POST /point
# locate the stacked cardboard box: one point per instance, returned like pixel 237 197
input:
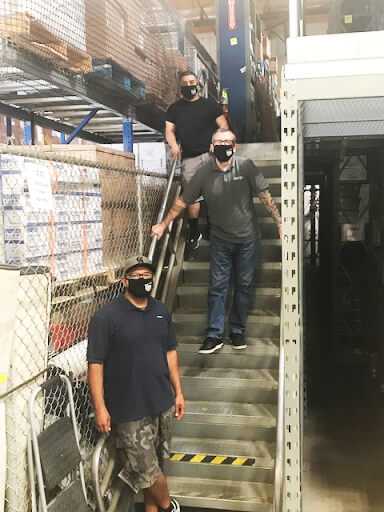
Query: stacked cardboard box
pixel 65 236
pixel 118 207
pixel 127 34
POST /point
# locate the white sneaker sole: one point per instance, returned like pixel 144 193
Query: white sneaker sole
pixel 239 347
pixel 212 350
pixel 198 243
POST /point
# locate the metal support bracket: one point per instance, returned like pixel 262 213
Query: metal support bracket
pixel 80 126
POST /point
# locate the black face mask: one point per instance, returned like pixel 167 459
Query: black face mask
pixel 223 153
pixel 189 91
pixel 140 288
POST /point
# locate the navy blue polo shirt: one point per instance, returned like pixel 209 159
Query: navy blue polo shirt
pixel 132 344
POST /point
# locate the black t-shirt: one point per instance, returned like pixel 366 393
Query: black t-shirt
pixel 195 123
pixel 132 344
pixel 229 198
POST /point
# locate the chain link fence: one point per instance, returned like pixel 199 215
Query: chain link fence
pixel 69 225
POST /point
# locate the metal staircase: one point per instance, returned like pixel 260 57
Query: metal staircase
pixel 224 448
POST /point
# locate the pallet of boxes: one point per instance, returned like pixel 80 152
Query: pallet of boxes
pixel 76 219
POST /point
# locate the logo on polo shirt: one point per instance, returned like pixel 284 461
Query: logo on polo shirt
pixel 160 316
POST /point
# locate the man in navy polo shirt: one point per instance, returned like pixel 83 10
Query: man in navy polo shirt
pixel 132 368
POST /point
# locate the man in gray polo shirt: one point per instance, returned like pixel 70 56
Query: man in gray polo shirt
pixel 228 184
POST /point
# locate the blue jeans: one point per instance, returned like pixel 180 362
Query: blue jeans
pixel 227 256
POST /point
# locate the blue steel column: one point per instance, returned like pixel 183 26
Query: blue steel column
pixel 62 138
pixel 128 134
pixel 29 132
pixel 231 30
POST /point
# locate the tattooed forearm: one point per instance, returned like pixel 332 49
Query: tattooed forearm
pixel 270 205
pixel 178 206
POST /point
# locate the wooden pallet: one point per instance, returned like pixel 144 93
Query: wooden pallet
pixel 33 36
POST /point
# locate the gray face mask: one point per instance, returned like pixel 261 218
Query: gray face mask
pixel 140 288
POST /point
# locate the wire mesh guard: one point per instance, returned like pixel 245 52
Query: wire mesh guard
pixel 130 42
pixel 70 227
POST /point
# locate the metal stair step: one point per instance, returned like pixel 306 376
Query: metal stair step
pixel 261 450
pixel 270 250
pixel 255 315
pixel 222 494
pixel 222 459
pixel 266 272
pixel 231 385
pixel 228 413
pixel 231 378
pixel 270 169
pixel 260 326
pixel 245 359
pixel 195 326
pixel 254 345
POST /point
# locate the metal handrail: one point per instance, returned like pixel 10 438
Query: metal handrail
pixel 95 473
pixel 280 438
pixel 161 260
pixel 160 216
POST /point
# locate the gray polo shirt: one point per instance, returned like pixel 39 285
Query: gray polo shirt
pixel 229 198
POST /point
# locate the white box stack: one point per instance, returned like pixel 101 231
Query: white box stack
pixel 67 237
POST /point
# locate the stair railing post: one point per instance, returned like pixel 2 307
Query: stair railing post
pixel 160 216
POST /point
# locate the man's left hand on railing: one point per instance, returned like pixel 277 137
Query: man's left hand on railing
pixel 158 230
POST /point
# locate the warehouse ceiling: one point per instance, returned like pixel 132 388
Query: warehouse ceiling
pixel 273 12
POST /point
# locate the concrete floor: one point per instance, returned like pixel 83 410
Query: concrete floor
pixel 343 432
pixel 344 448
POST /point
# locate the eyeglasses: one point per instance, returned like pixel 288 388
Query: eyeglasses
pixel 223 142
pixel 144 275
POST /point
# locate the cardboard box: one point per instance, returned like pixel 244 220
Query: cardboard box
pixel 273 65
pixel 266 44
pixel 91 152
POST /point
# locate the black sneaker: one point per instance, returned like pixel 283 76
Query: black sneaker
pixel 237 340
pixel 210 345
pixel 194 243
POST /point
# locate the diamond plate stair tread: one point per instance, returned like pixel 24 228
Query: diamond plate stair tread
pixel 261 450
pixel 254 317
pixel 222 494
pixel 232 413
pixel 226 377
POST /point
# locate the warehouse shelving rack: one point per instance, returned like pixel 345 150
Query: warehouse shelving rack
pixel 90 105
pixel 34 90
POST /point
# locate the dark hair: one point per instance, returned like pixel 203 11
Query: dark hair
pixel 222 130
pixel 186 73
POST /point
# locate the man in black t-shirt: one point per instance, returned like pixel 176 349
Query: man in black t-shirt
pixel 190 124
pixel 132 368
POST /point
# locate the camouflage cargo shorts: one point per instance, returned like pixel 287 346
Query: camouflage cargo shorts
pixel 142 446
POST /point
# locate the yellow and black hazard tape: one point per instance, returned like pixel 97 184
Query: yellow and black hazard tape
pixel 196 458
